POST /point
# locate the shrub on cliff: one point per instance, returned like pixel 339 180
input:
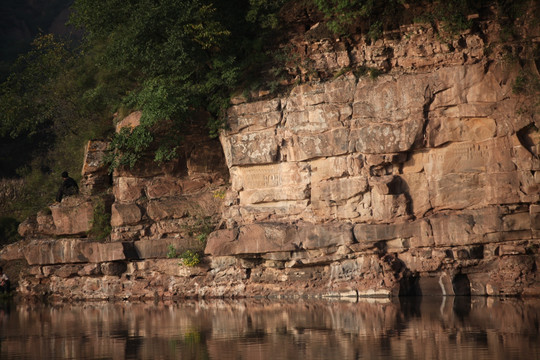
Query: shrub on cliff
pixel 184 55
pixel 8 230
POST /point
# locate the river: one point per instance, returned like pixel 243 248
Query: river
pixel 408 328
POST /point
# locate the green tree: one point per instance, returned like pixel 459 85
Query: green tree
pixel 179 53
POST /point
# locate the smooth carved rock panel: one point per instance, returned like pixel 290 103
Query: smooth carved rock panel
pixel 271 176
pixel 388 100
pixel 490 156
pixel 250 148
pixel 386 138
pixel 65 251
pixel 443 130
pixel 472 174
pixel 311 146
pixel 291 192
pixel 338 189
pixel 333 167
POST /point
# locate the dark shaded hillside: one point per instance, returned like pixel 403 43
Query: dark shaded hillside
pixel 22 20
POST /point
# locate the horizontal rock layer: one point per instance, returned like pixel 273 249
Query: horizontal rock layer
pixel 423 180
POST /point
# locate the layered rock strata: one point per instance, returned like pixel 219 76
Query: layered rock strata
pixel 423 180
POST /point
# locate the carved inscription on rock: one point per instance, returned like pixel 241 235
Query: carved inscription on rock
pixel 487 156
pixel 274 175
pixel 263 176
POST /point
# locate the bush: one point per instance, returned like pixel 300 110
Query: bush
pixel 101 224
pixel 8 230
pixel 190 258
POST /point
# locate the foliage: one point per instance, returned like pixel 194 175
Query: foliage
pixel 25 107
pixel 341 14
pixel 201 228
pixel 8 230
pixel 55 99
pixel 190 258
pixel 101 223
pixel 219 194
pixel 171 252
pixel 180 54
pixel 265 12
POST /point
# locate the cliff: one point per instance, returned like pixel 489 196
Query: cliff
pixel 423 180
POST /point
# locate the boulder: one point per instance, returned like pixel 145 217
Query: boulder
pixel 250 148
pixel 131 121
pixel 73 216
pixel 125 214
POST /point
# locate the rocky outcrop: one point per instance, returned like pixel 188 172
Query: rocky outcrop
pixel 423 180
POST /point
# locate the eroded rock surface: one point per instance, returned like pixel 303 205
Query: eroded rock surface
pixel 423 180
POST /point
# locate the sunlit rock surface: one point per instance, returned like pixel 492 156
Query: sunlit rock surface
pixel 421 181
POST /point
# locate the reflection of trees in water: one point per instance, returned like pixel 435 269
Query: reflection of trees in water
pixel 414 327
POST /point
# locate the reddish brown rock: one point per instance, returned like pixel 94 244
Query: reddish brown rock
pixel 131 121
pixel 423 180
pixel 67 251
pixel 73 216
pixel 12 252
pixel 170 208
pixel 160 248
pixel 125 214
pixel 115 268
pixel 128 189
pixel 95 173
pixel 163 187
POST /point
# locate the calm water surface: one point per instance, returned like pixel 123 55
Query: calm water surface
pixel 427 328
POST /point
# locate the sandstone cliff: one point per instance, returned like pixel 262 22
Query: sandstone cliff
pixel 422 180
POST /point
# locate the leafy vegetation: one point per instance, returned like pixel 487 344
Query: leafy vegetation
pixel 101 223
pixel 168 61
pixel 8 230
pixel 171 252
pixel 183 56
pixel 190 258
pixel 346 16
pixel 52 102
pixel 201 228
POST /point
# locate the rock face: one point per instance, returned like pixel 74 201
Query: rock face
pixel 424 180
pixel 377 151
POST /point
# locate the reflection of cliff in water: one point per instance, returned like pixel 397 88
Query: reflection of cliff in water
pixel 428 327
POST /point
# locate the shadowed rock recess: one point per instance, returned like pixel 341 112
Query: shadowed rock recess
pixel 422 181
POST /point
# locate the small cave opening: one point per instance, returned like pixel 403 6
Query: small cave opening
pixel 461 285
pixel 409 285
